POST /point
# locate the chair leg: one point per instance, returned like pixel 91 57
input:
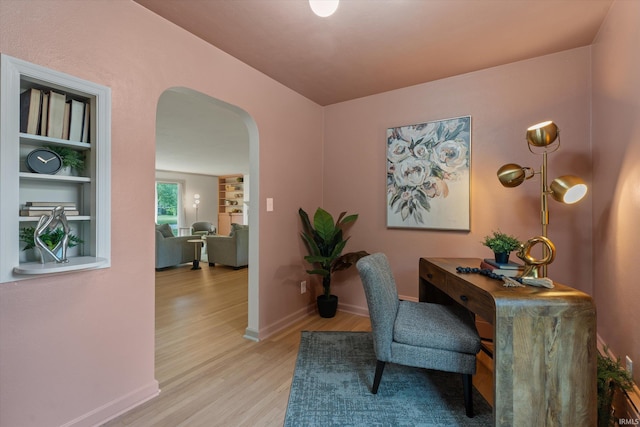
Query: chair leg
pixel 467 386
pixel 378 376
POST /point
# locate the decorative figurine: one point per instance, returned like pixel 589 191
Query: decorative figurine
pixel 531 264
pixel 51 221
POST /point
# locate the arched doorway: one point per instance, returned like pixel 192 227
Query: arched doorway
pixel 196 123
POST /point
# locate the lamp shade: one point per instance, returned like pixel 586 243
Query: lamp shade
pixel 511 175
pixel 568 189
pixel 542 134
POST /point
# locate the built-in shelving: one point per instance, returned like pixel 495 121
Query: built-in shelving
pixel 88 190
pixel 230 202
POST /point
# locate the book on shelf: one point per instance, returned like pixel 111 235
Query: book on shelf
pixel 65 120
pixel 509 272
pixel 85 123
pixel 47 208
pixel 30 104
pixel 50 204
pixel 44 212
pixel 55 122
pixel 509 265
pixel 44 114
pixel 75 120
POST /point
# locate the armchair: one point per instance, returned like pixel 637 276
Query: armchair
pixel 232 250
pixel 171 250
pixel 202 228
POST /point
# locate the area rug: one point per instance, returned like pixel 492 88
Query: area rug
pixel 332 387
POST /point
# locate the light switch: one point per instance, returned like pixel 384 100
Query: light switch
pixel 269 204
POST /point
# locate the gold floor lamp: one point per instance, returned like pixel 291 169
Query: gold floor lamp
pixel 566 189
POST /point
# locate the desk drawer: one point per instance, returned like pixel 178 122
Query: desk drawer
pixel 433 275
pixel 471 297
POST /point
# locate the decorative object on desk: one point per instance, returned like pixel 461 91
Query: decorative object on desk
pixel 331 380
pixel 43 161
pixel 532 265
pixel 73 160
pixel 510 272
pixel 501 244
pixel 428 175
pixel 611 376
pixel 48 238
pixel 566 189
pixel 325 242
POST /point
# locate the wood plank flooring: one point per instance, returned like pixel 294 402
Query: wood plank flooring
pixel 208 373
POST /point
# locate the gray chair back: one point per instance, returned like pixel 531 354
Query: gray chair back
pixel 382 300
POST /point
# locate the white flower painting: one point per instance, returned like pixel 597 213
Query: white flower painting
pixel 428 175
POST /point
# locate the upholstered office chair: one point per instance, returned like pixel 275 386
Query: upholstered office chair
pixel 422 335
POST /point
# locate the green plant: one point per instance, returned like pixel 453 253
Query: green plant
pixel 50 237
pixel 500 242
pixel 611 375
pixel 70 157
pixel 325 242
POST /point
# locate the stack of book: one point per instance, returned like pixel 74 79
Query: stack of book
pixel 510 269
pixel 42 208
pixel 50 113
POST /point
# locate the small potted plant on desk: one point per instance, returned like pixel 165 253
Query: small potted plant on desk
pixel 325 242
pixel 501 244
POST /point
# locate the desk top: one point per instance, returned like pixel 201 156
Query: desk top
pixel 494 287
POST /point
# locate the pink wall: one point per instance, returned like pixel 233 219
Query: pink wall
pixel 616 176
pixel 78 348
pixel 502 102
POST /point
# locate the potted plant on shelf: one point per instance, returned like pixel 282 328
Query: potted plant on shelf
pixel 501 244
pixel 50 238
pixel 611 376
pixel 325 241
pixel 72 160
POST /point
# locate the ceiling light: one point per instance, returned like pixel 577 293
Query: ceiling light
pixel 324 8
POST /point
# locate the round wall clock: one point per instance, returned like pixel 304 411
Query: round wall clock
pixel 42 160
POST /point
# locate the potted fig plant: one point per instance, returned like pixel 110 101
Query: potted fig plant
pixel 501 244
pixel 325 241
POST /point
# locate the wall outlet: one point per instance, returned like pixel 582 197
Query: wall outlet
pixel 303 287
pixel 629 366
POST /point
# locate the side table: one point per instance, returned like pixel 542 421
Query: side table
pixel 196 246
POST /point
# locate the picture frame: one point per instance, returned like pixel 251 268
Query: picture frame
pixel 429 175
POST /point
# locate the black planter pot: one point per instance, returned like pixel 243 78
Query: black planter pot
pixel 327 307
pixel 502 257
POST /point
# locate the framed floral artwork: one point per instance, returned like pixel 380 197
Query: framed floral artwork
pixel 428 175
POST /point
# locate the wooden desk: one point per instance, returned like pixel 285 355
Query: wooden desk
pixel 545 343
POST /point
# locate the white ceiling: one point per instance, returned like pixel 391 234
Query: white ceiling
pixel 197 134
pixel 367 46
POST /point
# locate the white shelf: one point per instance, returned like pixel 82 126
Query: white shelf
pixel 69 218
pixel 27 138
pixel 60 178
pixel 74 264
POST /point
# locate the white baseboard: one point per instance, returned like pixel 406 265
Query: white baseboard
pixel 116 407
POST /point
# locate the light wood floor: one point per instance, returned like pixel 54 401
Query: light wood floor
pixel 208 373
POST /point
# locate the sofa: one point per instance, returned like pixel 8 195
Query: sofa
pixel 231 250
pixel 202 228
pixel 172 250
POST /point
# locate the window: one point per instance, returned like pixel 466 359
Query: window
pixel 168 204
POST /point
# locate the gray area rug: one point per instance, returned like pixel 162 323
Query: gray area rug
pixel 332 387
